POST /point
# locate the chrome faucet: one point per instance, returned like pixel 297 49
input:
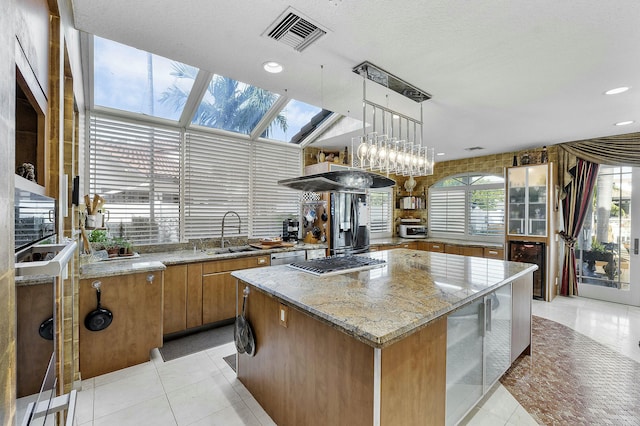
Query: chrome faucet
pixel 222 240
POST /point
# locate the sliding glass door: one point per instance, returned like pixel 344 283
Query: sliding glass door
pixel 607 264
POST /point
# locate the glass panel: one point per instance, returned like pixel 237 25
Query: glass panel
pixel 233 106
pixel 291 120
pixel 452 181
pixel 485 179
pixel 497 346
pixel 603 247
pixel 464 360
pixel 137 81
pixel 486 212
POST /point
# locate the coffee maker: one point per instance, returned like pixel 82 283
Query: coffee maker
pixel 290 229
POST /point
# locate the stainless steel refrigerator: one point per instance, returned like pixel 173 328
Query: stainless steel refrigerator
pixel 349 224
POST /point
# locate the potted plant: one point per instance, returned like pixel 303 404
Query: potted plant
pixel 98 238
pixel 126 249
pixel 112 247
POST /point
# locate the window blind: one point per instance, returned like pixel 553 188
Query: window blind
pixel 136 168
pixel 271 203
pixel 447 211
pixel 381 212
pixel 217 180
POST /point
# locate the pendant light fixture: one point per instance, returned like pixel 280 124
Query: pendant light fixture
pixel 394 145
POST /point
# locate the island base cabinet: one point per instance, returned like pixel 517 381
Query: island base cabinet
pixel 306 372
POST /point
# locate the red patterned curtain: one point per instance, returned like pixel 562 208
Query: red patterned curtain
pixel 575 206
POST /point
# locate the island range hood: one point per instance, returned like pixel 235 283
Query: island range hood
pixel 342 180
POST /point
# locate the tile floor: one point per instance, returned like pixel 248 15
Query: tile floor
pixel 201 389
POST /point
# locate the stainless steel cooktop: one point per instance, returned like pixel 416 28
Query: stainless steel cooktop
pixel 337 265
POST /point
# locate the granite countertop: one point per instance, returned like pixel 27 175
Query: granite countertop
pixel 383 305
pixel 160 260
pixel 399 240
pixel 22 280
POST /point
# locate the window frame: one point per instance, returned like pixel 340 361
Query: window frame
pixel 468 187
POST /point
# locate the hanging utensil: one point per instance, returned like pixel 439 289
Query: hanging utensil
pixel 324 216
pixel 99 318
pixel 242 332
pixel 46 329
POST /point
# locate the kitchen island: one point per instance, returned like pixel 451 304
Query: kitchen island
pixel 386 345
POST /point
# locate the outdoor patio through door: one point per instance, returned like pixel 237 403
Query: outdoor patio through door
pixel 604 251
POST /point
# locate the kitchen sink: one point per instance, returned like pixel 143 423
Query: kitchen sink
pixel 235 249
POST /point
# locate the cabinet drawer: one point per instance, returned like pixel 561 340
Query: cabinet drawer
pixel 452 249
pixel 492 253
pixel 472 251
pixel 234 264
pixel 437 247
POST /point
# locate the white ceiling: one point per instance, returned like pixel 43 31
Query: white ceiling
pixel 504 75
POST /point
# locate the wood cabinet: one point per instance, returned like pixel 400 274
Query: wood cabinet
pixel 34 304
pixel 494 253
pixel 136 303
pixel 429 246
pixel 202 293
pixel 464 250
pixel 174 316
pixel 411 246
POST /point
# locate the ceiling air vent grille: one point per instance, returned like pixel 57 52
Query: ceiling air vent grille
pixel 295 31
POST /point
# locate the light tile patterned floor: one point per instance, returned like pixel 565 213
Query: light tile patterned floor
pixel 201 389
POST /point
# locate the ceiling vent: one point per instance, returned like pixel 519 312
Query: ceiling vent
pixel 294 30
pixel 474 148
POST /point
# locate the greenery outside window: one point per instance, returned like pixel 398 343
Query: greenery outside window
pixel 468 206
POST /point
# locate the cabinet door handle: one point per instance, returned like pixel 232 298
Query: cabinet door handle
pixel 150 278
pixel 493 252
pixel 262 261
pixel 436 246
pixel 488 314
pixel 635 246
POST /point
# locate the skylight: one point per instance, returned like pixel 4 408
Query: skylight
pixel 133 80
pixel 232 105
pixel 296 115
pixel 139 82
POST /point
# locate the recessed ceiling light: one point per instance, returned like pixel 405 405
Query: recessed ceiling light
pixel 440 153
pixel 625 123
pixel 616 90
pixel 272 67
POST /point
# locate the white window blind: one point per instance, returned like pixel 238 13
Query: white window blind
pixel 271 203
pixel 217 180
pixel 381 212
pixel 447 211
pixel 136 168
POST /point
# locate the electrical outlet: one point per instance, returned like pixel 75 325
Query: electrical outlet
pixel 283 313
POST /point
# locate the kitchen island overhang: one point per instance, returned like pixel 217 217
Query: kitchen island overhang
pixel 398 312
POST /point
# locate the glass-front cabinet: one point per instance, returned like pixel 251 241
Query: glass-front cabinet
pixel 527 200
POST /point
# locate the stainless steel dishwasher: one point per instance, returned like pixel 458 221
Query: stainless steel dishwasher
pixel 287 257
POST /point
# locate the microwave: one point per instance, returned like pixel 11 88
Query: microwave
pixel 413 231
